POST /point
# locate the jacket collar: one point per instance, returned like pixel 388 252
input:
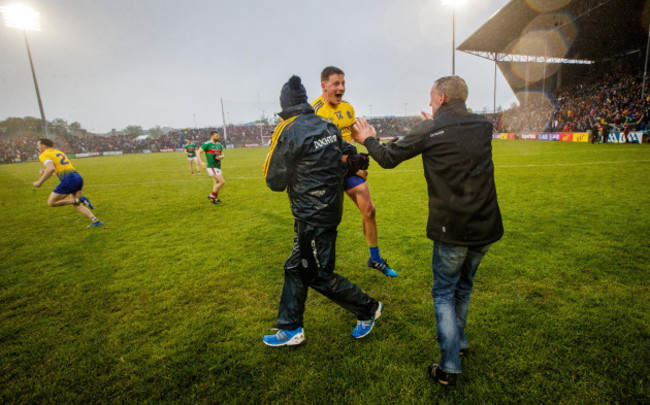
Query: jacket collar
pixel 296 110
pixel 455 105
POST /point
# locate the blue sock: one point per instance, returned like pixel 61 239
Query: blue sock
pixel 374 254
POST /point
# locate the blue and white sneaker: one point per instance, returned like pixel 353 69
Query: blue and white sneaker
pixel 85 201
pixel 285 338
pixel 96 223
pixel 383 267
pixel 364 327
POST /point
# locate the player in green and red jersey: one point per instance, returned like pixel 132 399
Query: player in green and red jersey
pixel 190 150
pixel 213 155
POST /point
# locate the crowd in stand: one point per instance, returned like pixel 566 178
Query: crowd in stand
pixel 614 103
pixel 247 134
pixel 23 148
pixel 18 149
pixel 393 126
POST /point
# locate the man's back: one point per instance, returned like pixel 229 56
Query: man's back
pixel 305 157
pixel 459 171
pixel 456 150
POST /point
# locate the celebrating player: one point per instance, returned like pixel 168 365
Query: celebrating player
pixel 331 106
pixel 305 159
pixel 190 150
pixel 71 182
pixel 213 155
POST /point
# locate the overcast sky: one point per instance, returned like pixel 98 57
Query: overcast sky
pixel 110 64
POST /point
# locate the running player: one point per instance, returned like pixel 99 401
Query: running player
pixel 331 106
pixel 213 155
pixel 71 182
pixel 190 150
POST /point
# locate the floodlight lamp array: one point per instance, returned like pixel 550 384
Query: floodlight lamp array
pixel 454 3
pixel 21 16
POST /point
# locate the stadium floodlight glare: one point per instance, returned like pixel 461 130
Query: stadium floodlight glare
pixel 454 5
pixel 21 16
pixel 26 19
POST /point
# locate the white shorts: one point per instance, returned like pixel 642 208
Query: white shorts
pixel 213 171
pixel 191 159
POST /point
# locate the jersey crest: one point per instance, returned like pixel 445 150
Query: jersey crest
pixel 342 115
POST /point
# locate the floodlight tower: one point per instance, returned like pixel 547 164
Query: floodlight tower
pixel 454 4
pixel 645 68
pixel 26 19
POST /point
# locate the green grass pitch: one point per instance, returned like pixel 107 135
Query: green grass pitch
pixel 168 301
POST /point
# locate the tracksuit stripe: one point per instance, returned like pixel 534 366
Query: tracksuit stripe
pixel 274 140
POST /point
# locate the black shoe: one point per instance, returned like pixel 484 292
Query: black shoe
pixel 383 267
pixel 441 377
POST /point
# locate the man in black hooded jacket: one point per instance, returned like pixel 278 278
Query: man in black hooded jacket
pixel 464 216
pixel 305 158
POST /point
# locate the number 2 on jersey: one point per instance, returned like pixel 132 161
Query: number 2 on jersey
pixel 63 160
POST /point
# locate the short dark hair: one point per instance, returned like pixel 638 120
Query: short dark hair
pixel 47 142
pixel 214 132
pixel 329 71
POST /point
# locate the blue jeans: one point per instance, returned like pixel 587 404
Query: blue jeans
pixel 454 268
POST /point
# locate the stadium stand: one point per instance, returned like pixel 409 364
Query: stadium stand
pixel 613 100
pixel 573 65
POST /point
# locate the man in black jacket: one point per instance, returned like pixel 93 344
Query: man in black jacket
pixel 464 217
pixel 305 158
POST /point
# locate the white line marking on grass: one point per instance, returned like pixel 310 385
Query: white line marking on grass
pixel 135 183
pixel 549 165
pixel 578 164
pixel 565 152
pixel 380 172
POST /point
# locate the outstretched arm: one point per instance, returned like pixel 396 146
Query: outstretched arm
pixel 395 152
pixel 362 130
